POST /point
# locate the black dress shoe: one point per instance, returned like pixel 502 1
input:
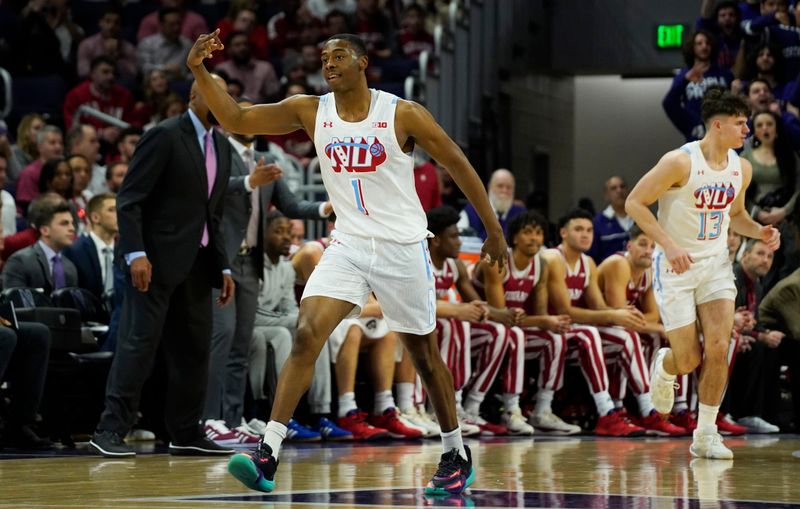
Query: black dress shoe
pixel 110 445
pixel 23 437
pixel 201 446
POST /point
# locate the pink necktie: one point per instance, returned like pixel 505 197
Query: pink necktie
pixel 211 173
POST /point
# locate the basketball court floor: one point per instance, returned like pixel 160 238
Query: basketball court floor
pixel 539 472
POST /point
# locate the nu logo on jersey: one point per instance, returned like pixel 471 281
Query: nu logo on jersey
pixel 356 154
pixel 714 196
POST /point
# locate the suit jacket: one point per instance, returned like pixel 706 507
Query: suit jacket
pixel 238 206
pixel 30 267
pixel 163 204
pixel 83 254
pixel 778 309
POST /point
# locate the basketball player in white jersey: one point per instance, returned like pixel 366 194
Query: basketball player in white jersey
pixel 700 189
pixel 365 140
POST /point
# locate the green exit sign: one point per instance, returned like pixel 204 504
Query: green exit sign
pixel 669 36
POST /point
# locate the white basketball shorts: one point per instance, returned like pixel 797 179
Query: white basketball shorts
pixel 678 295
pixel 400 275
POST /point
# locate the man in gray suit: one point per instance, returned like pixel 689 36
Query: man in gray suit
pixel 254 184
pixel 42 265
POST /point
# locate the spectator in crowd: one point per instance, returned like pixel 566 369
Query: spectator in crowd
pixel 773 191
pixel 763 62
pixel 93 254
pixel 102 93
pixel 413 39
pixel 56 177
pixel 368 333
pixel 501 197
pixel 259 78
pixel 734 245
pixel 8 208
pixel 42 264
pixel 7 151
pixel 242 17
pixel 426 181
pixel 81 174
pixel 337 22
pixel 297 143
pixel 722 21
pixel 68 33
pixel 167 49
pixel 190 24
pixel 235 87
pixel 758 354
pixel 28 236
pixel 291 27
pixel 312 67
pixel 682 102
pixel 320 9
pixel 115 173
pixel 82 139
pixel 126 143
pixel 297 230
pixel 24 355
pixel 50 145
pixel 35 47
pixel 778 311
pixel 777 26
pixel 155 96
pixel 760 97
pixel 374 27
pixel 25 150
pixel 108 42
pixel 611 226
pixel 276 319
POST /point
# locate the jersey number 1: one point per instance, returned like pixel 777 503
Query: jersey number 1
pixel 710 225
pixel 359 194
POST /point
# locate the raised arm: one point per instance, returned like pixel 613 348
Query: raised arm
pixel 414 121
pixel 294 113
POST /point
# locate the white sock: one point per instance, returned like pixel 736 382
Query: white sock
pixel 452 440
pixel 274 436
pixel 618 404
pixel 510 401
pixel 473 403
pixel 347 402
pixel 405 395
pixel 645 404
pixel 602 401
pixel 458 397
pixel 707 418
pixel 383 401
pixel 544 401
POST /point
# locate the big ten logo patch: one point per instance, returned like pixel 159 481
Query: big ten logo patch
pixel 356 154
pixel 714 196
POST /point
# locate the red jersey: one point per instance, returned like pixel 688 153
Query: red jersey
pixel 411 45
pixel 519 284
pixel 446 277
pixel 577 278
pixel 118 104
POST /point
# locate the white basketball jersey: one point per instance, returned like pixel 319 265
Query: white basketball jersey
pixel 369 179
pixel 696 216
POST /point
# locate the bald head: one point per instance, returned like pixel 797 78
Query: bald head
pixel 501 189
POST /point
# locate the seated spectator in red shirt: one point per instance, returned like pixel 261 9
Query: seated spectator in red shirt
pixel 107 42
pixel 426 181
pixel 50 145
pixel 155 95
pixel 192 24
pixel 242 17
pixel 296 143
pixel 259 78
pixel 375 28
pixel 167 49
pixel 102 93
pixel 413 39
pixel 30 235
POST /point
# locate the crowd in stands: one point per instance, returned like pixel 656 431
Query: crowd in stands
pixel 549 345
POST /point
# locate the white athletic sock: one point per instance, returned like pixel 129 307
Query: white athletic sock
pixel 602 401
pixel 618 404
pixel 452 440
pixel 458 397
pixel 707 418
pixel 544 401
pixel 405 395
pixel 472 405
pixel 645 404
pixel 347 402
pixel 383 401
pixel 274 436
pixel 510 401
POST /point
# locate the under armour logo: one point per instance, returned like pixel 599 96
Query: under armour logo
pixel 735 173
pixel 701 172
pixel 327 124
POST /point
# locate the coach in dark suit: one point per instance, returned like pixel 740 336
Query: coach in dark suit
pixel 43 265
pixel 170 210
pixel 243 224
